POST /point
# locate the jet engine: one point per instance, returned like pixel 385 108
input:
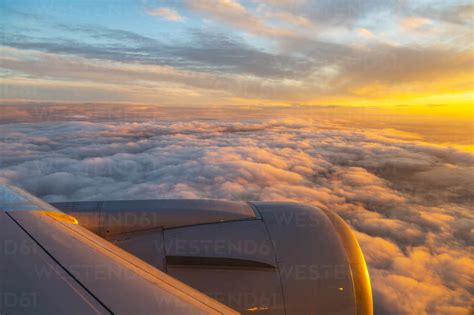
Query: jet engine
pixel 256 257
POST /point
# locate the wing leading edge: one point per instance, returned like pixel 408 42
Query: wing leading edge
pixel 51 265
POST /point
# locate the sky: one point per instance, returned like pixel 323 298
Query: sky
pixel 229 52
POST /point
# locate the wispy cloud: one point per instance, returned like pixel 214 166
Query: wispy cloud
pixel 415 22
pixel 365 33
pixel 306 52
pixel 165 13
pixel 233 13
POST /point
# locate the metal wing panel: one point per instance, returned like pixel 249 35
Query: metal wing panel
pixel 16 199
pixel 124 216
pixel 231 261
pixel 124 283
pixel 32 282
pixel 318 279
pixel 247 240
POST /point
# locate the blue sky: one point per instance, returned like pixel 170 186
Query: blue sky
pixel 278 52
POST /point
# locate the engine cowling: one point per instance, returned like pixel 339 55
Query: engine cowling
pixel 271 258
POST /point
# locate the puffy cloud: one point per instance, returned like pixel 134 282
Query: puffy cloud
pixel 408 200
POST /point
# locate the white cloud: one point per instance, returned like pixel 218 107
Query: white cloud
pixel 418 247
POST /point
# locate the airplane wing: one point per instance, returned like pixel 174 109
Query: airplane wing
pixel 177 257
pixel 49 264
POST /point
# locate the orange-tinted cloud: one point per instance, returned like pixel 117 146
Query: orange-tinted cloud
pixel 409 200
pixel 165 13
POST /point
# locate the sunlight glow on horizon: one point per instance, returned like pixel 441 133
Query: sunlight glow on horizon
pixel 242 52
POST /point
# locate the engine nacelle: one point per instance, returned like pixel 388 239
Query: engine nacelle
pixel 270 258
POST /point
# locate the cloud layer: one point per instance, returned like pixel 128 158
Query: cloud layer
pixel 409 201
